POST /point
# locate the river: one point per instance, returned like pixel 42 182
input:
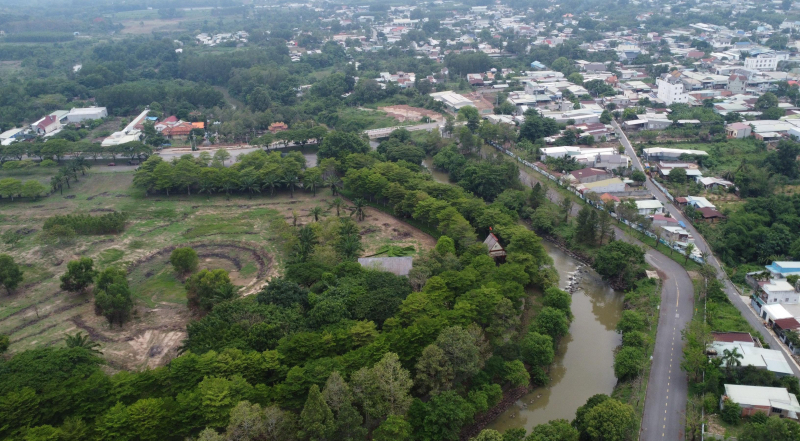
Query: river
pixel 584 363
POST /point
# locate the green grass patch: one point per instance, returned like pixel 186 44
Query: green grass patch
pixel 217 228
pixel 156 286
pixel 249 269
pixel 109 256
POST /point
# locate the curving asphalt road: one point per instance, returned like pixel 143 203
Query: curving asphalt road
pixel 667 387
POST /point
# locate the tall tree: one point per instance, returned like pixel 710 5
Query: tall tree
pixel 316 419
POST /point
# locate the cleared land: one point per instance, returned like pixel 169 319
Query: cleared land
pixel 233 233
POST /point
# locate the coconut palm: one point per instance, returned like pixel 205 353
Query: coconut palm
pixel 271 180
pixel 316 212
pixel 250 184
pixel 79 340
pixel 349 247
pixel 339 204
pixel 227 186
pixel 358 208
pixel 291 180
pixel 312 182
pixel 334 183
pixel 306 241
pixel 731 358
pixel 80 164
pixel 57 183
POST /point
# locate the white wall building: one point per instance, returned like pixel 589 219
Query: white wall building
pixel 762 62
pixel 671 91
pixel 77 115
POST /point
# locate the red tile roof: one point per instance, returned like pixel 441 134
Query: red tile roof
pixel 732 337
pixel 709 213
pixel 787 323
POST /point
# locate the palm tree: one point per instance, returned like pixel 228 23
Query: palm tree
pixel 731 358
pixel 271 180
pixel 228 185
pixel 316 212
pixel 79 340
pixel 350 247
pixel 291 180
pixel 57 183
pixel 358 208
pixel 306 240
pixel 250 184
pixel 333 183
pixel 689 249
pixel 312 181
pixel 339 204
pixel 79 164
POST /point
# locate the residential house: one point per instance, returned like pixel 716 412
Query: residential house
pixel 699 202
pixel 475 79
pixel 782 327
pixel 611 185
pixel 612 161
pixel 778 291
pixel 711 183
pixel 783 269
pixel 181 130
pixel 760 358
pixel 762 62
pixel 399 266
pixel 737 83
pixel 769 400
pixel 743 338
pixel 738 130
pixel 649 206
pixel 710 215
pixel 659 220
pixel 667 154
pixel 495 249
pixel 46 125
pixel 12 135
pixel 586 175
pixel 676 234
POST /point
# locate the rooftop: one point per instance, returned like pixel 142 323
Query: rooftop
pixel 396 265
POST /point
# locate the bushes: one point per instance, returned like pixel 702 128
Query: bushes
pixel 112 297
pixel 731 412
pixel 10 274
pixel 207 288
pixel 84 224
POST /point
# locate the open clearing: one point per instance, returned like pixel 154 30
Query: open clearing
pixel 233 233
pixel 147 26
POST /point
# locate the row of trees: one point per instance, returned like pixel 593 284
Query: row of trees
pixel 58 149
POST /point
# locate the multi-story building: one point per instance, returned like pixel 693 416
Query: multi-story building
pixel 671 89
pixel 763 62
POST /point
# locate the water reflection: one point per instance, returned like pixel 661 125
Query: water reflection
pixel 438 176
pixel 584 365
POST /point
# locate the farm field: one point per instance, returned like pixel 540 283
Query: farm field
pixel 239 234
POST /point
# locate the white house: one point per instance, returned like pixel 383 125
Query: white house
pixel 649 206
pixel 760 358
pixel 779 291
pixel 770 400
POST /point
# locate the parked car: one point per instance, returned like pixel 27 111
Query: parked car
pixel 111 164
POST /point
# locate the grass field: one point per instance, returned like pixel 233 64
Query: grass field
pixel 234 233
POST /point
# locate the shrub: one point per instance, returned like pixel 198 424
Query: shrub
pixel 184 260
pixel 48 163
pixel 84 224
pixel 10 273
pixel 711 404
pixel 80 274
pixel 208 288
pixel 731 412
pixel 627 363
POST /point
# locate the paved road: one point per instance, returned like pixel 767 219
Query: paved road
pixel 659 422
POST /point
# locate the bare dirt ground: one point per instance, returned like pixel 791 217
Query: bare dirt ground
pixel 407 113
